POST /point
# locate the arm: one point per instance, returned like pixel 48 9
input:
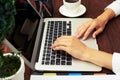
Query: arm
pixel 77 49
pixel 99 58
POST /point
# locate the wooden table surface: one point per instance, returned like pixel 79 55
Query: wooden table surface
pixel 109 39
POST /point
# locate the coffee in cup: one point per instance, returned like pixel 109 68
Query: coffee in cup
pixel 71 1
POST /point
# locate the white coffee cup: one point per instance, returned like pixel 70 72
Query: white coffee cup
pixel 72 7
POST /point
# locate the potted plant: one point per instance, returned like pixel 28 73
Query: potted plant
pixel 11 65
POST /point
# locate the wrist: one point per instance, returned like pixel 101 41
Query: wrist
pixel 87 54
pixel 106 15
pixel 94 56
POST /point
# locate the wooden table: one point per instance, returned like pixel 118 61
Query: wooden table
pixel 109 39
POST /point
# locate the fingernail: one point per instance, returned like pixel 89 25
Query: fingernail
pixel 84 38
pixel 94 36
pixel 77 36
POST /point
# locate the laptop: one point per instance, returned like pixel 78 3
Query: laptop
pixel 50 60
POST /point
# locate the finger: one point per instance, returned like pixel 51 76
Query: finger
pixel 89 31
pixel 98 31
pixel 56 44
pixel 63 48
pixel 60 48
pixel 60 42
pixel 82 29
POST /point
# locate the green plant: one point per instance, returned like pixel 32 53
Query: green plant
pixel 9 64
pixel 7 12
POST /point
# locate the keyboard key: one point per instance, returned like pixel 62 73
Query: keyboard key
pixel 52 62
pixel 63 62
pixel 69 63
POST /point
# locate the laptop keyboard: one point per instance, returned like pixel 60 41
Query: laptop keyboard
pixel 55 30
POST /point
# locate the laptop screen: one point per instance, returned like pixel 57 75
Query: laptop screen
pixel 23 35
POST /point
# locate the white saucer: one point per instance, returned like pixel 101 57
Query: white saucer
pixel 64 12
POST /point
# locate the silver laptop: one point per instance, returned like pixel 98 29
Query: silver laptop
pixel 50 60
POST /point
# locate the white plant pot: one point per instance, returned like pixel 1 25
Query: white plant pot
pixel 19 74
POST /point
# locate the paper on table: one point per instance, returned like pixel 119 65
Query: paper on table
pixel 88 77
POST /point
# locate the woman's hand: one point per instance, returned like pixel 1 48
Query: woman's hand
pixel 77 49
pixel 96 25
pixel 71 45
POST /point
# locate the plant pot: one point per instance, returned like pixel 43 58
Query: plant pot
pixel 19 75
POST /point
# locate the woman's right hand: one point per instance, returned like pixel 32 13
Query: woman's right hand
pixel 95 26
